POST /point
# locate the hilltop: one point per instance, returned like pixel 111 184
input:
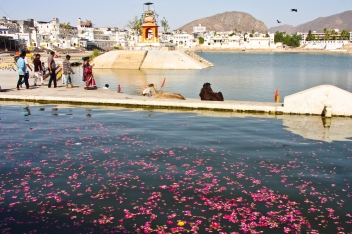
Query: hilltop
pixel 228 21
pixel 341 21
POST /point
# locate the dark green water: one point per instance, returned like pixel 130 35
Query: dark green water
pixel 240 76
pixel 88 170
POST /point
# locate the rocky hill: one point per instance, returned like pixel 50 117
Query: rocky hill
pixel 341 21
pixel 228 21
pixel 282 28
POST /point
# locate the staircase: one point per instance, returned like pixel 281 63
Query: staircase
pixel 197 57
pixel 129 59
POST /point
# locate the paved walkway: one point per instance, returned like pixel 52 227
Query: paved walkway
pixel 79 96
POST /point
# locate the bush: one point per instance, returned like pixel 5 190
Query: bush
pixel 95 54
pixel 201 40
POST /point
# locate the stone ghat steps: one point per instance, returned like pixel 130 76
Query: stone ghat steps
pixel 120 59
pixel 197 57
pixel 171 60
pixel 129 60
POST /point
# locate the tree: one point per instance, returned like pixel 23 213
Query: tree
pixel 327 34
pixel 279 36
pixel 135 24
pixel 294 40
pixel 201 40
pixel 345 35
pixel 65 29
pixel 334 34
pixel 310 36
pixel 165 25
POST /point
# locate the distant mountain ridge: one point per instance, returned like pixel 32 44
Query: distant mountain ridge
pixel 341 21
pixel 228 21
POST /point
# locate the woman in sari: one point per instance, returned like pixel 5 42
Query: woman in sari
pixel 88 75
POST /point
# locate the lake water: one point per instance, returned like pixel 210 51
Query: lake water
pixel 240 76
pixel 94 170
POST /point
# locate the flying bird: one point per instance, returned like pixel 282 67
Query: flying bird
pixel 278 21
pixel 294 10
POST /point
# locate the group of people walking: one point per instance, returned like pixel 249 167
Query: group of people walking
pixel 40 72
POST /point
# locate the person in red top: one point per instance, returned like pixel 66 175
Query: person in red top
pixel 88 75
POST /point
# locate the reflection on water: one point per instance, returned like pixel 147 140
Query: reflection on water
pixel 309 127
pixel 318 128
pixel 26 111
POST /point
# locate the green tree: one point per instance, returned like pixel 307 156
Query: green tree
pixel 310 36
pixel 334 34
pixel 165 25
pixel 201 40
pixel 279 36
pixel 65 29
pixel 327 34
pixel 135 24
pixel 294 40
pixel 345 35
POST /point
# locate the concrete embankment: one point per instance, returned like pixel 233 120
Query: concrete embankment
pixel 120 59
pixel 307 102
pixel 152 59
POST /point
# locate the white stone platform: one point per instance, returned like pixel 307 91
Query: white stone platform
pixel 151 59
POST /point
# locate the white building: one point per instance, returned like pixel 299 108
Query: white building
pixel 199 29
pixel 103 38
pixel 182 40
pixel 48 27
pixel 260 41
pixel 231 40
pixel 335 42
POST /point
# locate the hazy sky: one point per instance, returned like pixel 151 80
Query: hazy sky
pixel 116 13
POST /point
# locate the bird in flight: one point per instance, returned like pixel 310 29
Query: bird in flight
pixel 294 10
pixel 278 21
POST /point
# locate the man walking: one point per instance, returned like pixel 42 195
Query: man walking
pixel 67 70
pixel 22 69
pixel 52 69
pixel 38 70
